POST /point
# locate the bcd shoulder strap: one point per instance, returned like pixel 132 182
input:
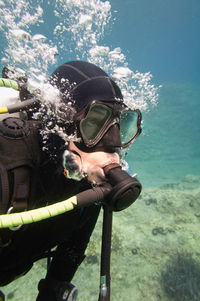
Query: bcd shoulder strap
pixel 4 188
pixel 21 189
pixel 19 154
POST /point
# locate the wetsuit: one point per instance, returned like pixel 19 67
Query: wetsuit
pixel 47 184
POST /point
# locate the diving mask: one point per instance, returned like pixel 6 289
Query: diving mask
pixel 102 116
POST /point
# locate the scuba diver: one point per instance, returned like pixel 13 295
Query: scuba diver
pixel 37 172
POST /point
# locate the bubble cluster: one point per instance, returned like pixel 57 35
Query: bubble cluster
pixel 136 87
pixel 25 50
pixel 84 20
pixel 77 25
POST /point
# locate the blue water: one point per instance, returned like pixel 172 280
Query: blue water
pixel 161 37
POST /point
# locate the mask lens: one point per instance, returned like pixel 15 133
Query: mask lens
pixel 128 126
pixel 95 121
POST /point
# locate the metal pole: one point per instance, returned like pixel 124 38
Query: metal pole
pixel 104 294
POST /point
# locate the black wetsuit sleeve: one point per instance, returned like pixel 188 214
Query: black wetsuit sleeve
pixel 68 256
pixel 70 253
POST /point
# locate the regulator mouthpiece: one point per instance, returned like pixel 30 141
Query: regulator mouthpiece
pixel 126 189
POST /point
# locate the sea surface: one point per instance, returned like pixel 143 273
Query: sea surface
pixel 152 49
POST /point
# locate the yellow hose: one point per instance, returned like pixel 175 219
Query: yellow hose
pixel 9 83
pixel 3 110
pixel 31 216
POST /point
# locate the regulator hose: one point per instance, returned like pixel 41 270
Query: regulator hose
pixel 119 193
pixel 83 199
pixel 8 83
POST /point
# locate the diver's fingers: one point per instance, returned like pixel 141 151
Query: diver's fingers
pixel 72 165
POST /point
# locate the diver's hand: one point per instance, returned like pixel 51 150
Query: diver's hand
pixel 89 165
pixel 46 291
pixel 54 290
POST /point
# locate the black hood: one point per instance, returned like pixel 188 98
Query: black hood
pixel 80 83
pixel 84 82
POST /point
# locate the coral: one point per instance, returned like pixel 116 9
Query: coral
pixel 92 259
pixel 116 243
pixel 134 251
pixel 181 278
pixel 161 230
pixel 150 201
pixel 93 249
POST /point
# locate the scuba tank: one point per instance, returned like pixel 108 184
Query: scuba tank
pixel 9 97
pixel 15 102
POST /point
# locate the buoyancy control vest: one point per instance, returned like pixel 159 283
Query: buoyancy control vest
pixel 29 178
pixel 19 157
